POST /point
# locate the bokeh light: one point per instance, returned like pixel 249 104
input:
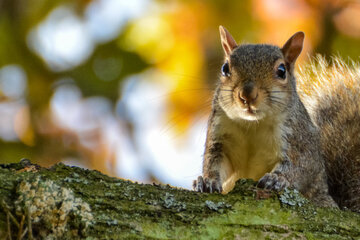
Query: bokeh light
pixel 125 87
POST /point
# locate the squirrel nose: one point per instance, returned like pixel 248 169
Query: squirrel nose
pixel 248 94
pixel 247 99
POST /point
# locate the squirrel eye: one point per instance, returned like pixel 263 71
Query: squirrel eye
pixel 281 71
pixel 225 70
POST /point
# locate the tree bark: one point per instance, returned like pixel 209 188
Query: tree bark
pixel 65 202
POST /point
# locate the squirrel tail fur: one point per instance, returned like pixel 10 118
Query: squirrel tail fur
pixel 331 94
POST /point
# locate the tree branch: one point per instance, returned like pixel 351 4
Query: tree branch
pixel 65 202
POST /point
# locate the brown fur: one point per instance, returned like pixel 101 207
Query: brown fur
pixel 269 130
pixel 332 95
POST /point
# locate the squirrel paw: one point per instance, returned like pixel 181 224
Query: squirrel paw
pixel 273 181
pixel 207 185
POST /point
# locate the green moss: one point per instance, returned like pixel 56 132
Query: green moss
pixel 125 210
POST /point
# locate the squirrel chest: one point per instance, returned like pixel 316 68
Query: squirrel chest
pixel 252 148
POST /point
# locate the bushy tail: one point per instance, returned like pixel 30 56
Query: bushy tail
pixel 331 93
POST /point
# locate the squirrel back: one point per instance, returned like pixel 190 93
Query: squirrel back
pixel 331 94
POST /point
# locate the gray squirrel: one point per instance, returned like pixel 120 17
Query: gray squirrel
pixel 259 127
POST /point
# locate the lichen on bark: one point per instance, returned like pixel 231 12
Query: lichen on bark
pixel 65 202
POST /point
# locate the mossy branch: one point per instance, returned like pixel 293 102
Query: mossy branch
pixel 65 202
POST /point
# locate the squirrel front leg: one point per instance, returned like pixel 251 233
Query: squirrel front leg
pixel 216 166
pixel 285 174
pixel 282 175
pixel 216 169
pixel 301 165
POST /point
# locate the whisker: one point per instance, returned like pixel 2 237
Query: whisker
pixel 278 102
pixel 224 103
pixel 275 97
pixel 284 91
pixel 179 117
pixel 229 99
pixel 180 92
pixel 227 96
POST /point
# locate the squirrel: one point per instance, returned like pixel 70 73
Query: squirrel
pixel 259 127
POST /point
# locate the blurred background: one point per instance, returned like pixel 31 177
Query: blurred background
pixel 125 86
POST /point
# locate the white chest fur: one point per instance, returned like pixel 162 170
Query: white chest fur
pixel 252 148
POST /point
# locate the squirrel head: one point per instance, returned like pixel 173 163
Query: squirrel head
pixel 257 80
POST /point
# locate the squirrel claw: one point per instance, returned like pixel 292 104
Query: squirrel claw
pixel 198 185
pixel 207 185
pixel 273 181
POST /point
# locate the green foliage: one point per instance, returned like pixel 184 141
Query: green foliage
pixel 103 72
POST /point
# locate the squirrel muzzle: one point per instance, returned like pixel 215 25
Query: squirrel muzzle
pixel 248 94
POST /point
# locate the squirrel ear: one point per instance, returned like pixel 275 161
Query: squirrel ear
pixel 293 47
pixel 227 41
